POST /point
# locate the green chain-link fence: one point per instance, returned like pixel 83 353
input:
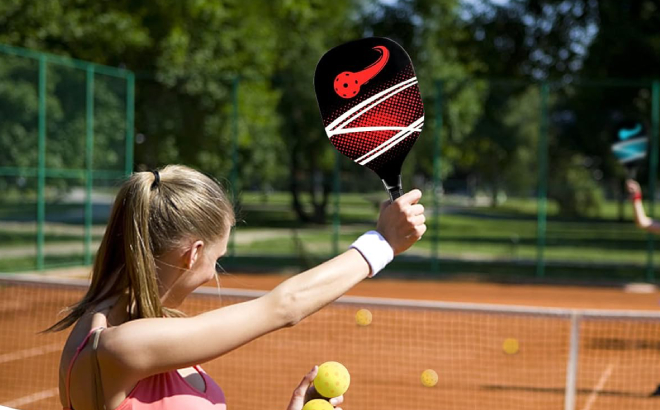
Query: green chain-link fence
pixel 66 138
pixel 519 177
pixel 519 181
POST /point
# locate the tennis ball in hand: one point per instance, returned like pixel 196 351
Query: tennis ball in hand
pixel 429 378
pixel 332 379
pixel 318 404
pixel 363 317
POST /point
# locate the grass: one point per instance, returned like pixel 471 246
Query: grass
pixel 16 239
pixel 488 240
pixel 9 265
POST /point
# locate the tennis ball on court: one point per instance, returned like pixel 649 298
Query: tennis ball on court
pixel 318 404
pixel 363 317
pixel 510 346
pixel 332 380
pixel 429 378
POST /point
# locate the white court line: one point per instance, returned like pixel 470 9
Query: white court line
pixel 599 386
pixel 35 351
pixel 22 401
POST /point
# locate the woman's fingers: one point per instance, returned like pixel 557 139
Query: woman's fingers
pixel 305 382
pixel 336 401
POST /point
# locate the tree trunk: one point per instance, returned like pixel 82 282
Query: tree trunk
pixel 621 200
pixel 319 190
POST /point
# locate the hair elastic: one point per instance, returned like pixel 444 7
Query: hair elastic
pixel 156 180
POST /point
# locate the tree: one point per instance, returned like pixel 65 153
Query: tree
pixel 432 32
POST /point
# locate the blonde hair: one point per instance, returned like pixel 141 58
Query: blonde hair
pixel 151 216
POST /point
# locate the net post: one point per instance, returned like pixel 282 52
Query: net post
pixel 572 365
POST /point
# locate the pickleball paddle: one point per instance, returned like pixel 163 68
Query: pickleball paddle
pixel 370 104
pixel 630 145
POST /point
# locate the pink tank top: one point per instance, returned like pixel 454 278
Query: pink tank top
pixel 163 391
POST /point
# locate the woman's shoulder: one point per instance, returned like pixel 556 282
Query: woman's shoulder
pixel 74 341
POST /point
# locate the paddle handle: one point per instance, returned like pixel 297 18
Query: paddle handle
pixel 394 187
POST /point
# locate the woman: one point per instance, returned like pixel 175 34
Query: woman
pixel 131 349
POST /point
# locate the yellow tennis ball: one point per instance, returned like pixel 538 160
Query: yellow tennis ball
pixel 363 317
pixel 510 346
pixel 332 379
pixel 318 404
pixel 429 378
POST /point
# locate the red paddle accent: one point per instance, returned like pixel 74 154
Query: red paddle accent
pixel 347 84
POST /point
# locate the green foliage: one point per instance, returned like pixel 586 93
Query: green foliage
pixel 188 56
pixel 575 189
pixel 18 110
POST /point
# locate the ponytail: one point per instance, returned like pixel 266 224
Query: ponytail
pixel 153 213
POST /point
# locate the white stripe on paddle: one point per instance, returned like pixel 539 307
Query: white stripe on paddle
pixel 372 102
pixel 387 145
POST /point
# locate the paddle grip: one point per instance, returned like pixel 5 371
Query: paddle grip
pixel 394 187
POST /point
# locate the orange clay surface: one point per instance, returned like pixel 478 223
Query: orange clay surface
pixel 618 365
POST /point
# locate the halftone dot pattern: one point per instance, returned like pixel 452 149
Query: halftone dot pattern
pixel 400 149
pixel 357 144
pixel 400 110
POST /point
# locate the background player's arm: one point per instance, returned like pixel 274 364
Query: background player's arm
pixel 641 220
pixel 144 347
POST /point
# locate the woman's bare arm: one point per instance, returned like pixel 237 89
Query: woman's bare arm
pixel 148 346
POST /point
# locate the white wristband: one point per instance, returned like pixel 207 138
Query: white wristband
pixel 375 249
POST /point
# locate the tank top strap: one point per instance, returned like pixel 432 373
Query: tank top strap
pixel 75 356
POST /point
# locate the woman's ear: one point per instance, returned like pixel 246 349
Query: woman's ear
pixel 193 253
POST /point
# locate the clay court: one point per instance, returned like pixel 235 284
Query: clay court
pixel 617 357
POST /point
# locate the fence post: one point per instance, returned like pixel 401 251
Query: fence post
pixel 233 179
pixel 653 174
pixel 435 263
pixel 89 158
pixel 130 122
pixel 572 365
pixel 336 220
pixel 41 172
pixel 543 182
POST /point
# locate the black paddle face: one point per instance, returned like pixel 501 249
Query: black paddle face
pixel 370 104
pixel 630 145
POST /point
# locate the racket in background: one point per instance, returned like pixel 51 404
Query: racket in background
pixel 370 104
pixel 630 145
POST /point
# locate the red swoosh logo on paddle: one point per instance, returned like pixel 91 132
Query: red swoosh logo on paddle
pixel 348 83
